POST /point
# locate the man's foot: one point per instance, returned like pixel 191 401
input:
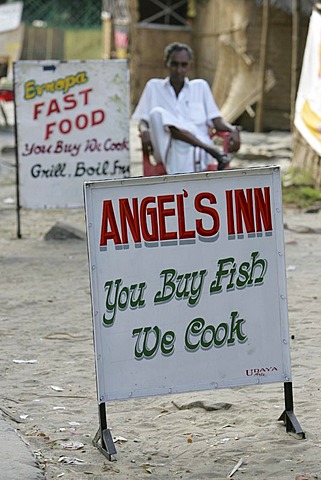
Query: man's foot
pixel 223 162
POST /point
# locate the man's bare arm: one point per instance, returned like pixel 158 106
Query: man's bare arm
pixel 143 128
pixel 223 126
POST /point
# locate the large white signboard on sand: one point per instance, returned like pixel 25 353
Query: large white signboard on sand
pixel 72 125
pixel 188 282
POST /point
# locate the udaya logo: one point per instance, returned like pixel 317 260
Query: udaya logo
pixel 260 372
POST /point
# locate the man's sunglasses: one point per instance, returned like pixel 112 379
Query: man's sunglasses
pixel 175 64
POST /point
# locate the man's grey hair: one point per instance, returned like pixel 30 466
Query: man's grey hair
pixel 177 47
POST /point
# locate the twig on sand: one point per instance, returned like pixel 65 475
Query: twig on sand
pixel 10 415
pixel 65 336
pixel 235 469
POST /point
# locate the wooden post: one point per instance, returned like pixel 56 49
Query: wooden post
pixel 106 34
pixel 262 65
pixel 295 54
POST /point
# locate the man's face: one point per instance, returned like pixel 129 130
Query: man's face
pixel 178 64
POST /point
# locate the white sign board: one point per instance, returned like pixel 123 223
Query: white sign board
pixel 308 102
pixel 72 125
pixel 188 282
pixel 10 16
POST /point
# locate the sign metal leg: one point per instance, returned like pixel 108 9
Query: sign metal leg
pixel 288 417
pixel 103 439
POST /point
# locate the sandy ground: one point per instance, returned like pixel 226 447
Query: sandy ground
pixel 50 397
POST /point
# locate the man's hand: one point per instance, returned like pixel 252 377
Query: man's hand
pixel 234 142
pixel 146 143
pixel 147 146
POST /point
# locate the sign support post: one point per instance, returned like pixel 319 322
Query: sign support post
pixel 103 440
pixel 18 204
pixel 288 416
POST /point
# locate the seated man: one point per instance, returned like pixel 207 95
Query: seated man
pixel 175 115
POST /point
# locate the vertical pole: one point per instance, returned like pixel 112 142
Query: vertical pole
pixel 31 42
pixel 49 43
pixel 288 396
pixel 295 55
pixel 103 422
pixel 288 400
pixel 106 34
pixel 107 443
pixel 288 417
pixel 18 206
pixel 262 65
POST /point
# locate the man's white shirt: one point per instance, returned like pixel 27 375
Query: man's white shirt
pixel 193 110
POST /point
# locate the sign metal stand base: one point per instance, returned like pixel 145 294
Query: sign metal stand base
pixel 288 417
pixel 103 439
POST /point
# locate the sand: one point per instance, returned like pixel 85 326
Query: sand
pixel 50 397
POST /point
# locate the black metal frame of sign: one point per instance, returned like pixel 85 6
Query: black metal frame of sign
pixel 103 439
pixel 288 417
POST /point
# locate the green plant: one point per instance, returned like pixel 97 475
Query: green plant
pixel 298 190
